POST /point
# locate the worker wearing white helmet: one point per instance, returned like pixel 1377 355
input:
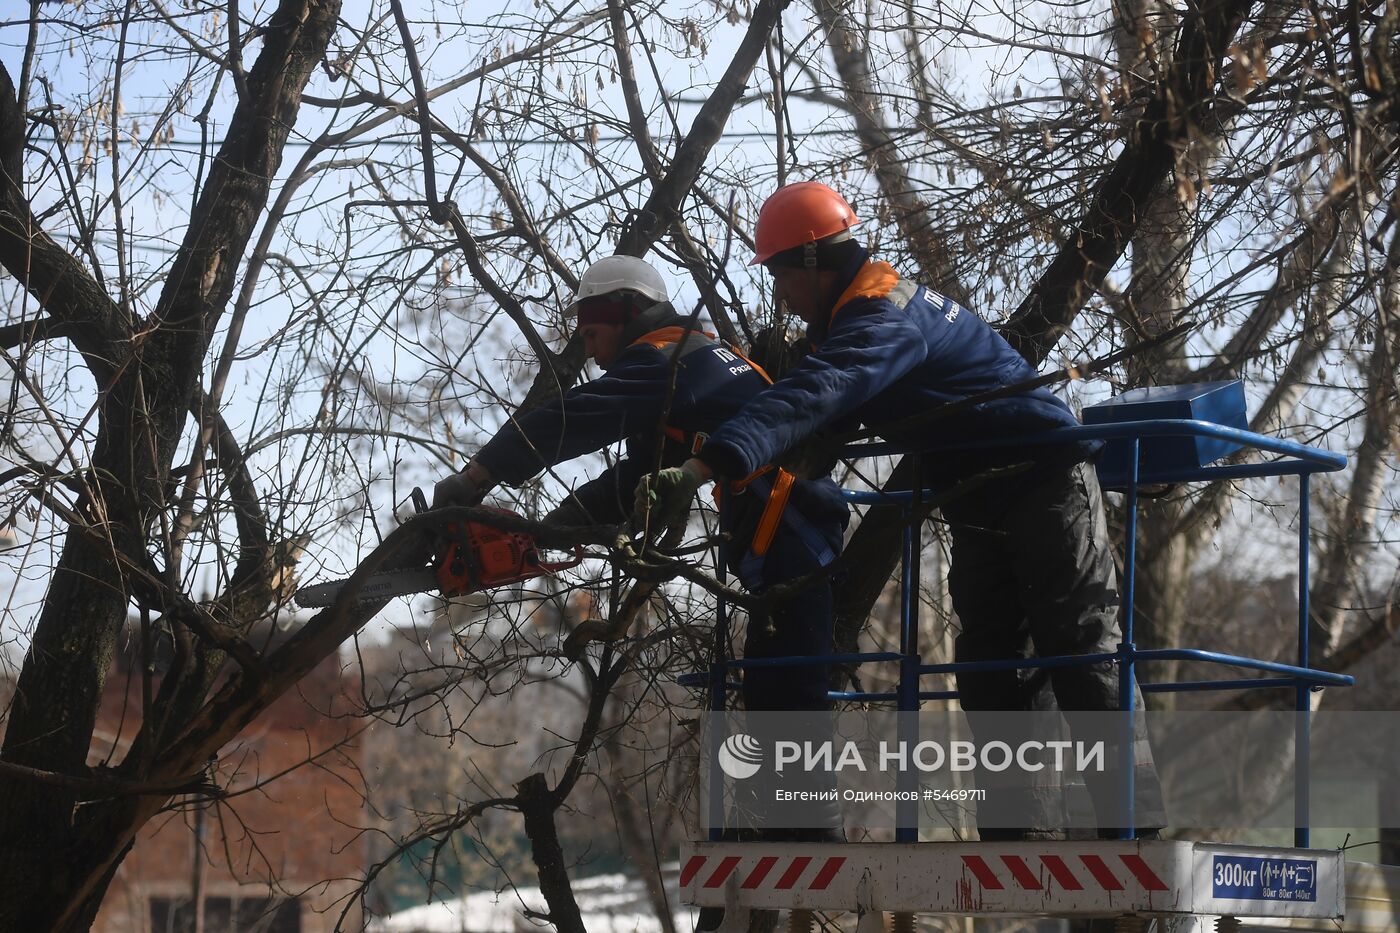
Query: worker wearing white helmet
pixel 612 293
pixel 783 528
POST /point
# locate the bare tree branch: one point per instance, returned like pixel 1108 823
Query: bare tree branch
pixel 1117 204
pixel 911 215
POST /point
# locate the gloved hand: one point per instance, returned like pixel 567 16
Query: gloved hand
pixel 661 502
pixel 458 489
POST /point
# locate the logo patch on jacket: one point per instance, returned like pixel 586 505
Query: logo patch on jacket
pixel 739 366
pixel 939 301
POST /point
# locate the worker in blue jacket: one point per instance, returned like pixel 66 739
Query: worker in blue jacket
pixel 781 528
pixel 1029 551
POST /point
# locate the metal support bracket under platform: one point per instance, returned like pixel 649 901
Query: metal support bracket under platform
pixel 1110 878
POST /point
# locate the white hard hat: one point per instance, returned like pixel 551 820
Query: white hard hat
pixel 618 273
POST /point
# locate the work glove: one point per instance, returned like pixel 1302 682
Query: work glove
pixel 457 489
pixel 661 503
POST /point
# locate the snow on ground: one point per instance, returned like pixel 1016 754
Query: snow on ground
pixel 608 903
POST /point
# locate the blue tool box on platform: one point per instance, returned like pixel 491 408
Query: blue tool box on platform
pixel 1216 402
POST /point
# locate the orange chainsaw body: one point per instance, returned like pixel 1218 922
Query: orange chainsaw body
pixel 480 557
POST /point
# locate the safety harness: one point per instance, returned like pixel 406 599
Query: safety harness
pixel 771 483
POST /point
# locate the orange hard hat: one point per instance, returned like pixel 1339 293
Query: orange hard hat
pixel 797 214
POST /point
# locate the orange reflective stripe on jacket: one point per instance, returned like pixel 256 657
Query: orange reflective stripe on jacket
pixel 874 280
pixel 666 336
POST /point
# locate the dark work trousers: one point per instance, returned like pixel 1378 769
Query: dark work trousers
pixel 1031 555
pixel 800 625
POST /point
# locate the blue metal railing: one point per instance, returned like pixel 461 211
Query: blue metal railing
pixel 1294 460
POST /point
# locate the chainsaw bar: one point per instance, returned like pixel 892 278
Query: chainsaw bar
pixel 471 556
pixel 378 586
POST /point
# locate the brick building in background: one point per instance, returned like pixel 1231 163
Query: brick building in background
pixel 282 853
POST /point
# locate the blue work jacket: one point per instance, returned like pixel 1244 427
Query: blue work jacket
pixel 629 404
pixel 892 350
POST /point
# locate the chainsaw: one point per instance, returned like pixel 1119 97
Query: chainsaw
pixel 470 556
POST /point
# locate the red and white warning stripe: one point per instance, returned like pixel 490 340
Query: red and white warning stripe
pixel 1069 878
pixel 771 872
pixel 1092 872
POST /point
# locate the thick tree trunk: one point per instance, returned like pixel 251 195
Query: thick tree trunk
pixel 1171 530
pixel 1156 299
pixel 1107 224
pixel 53 871
pixel 1115 208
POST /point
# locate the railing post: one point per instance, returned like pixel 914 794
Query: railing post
pixel 907 811
pixel 1302 704
pixel 1127 752
pixel 719 680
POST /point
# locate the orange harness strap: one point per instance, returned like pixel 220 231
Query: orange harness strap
pixel 773 509
pixel 756 368
pixel 772 512
pixel 782 483
pixel 777 496
pixel 696 440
